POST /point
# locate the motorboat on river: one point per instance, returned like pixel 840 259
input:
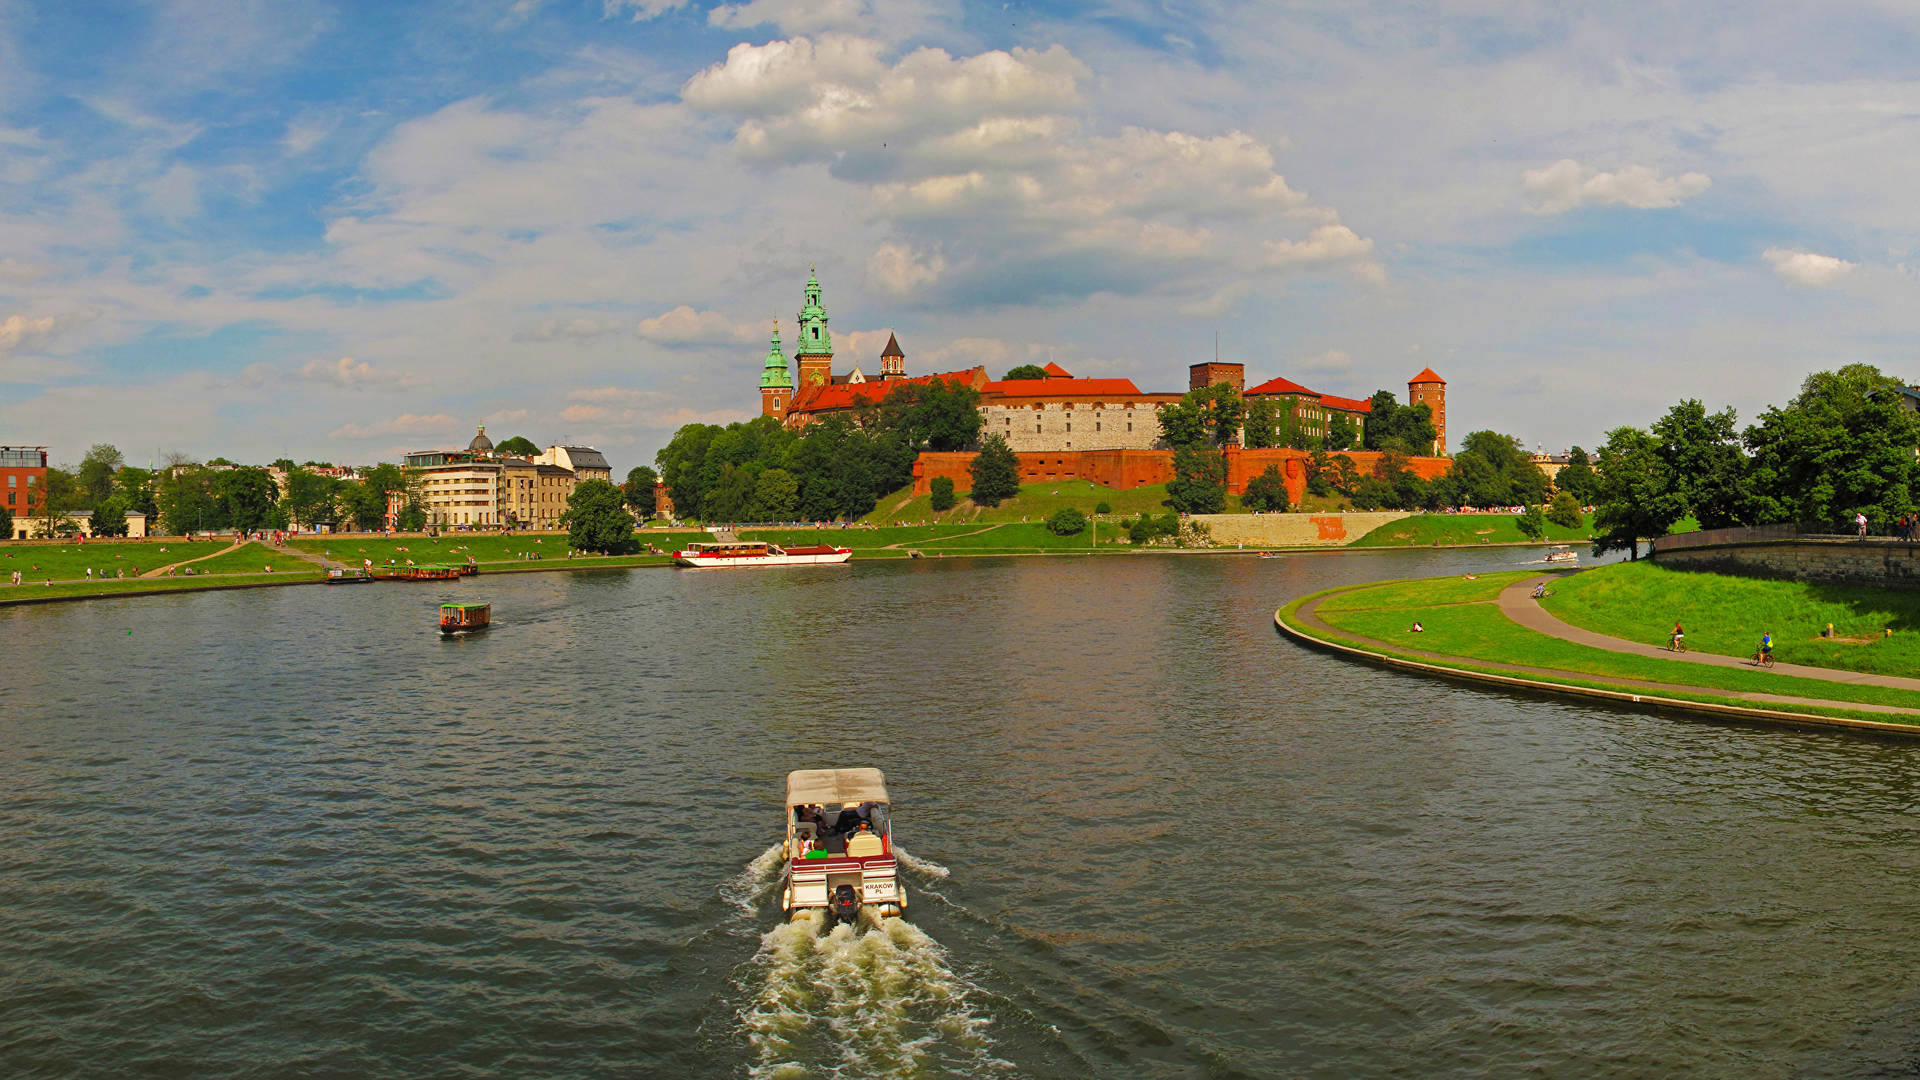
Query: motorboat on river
pixel 464 618
pixel 1563 555
pixel 839 845
pixel 729 554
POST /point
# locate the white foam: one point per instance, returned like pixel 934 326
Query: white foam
pixel 748 889
pixel 919 865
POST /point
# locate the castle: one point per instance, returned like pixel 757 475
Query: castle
pixel 1057 413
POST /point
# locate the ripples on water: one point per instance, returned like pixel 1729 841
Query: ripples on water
pixel 293 833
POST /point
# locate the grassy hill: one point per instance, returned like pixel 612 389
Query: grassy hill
pixel 1426 530
pixel 1034 503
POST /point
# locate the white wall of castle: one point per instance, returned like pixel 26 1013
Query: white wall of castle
pixel 1071 425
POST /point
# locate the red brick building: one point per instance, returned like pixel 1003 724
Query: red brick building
pixel 23 479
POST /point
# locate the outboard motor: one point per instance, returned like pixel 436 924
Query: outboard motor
pixel 846 904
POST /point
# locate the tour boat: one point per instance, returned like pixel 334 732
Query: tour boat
pixel 757 553
pixel 839 845
pixel 1563 555
pixel 347 576
pixel 465 618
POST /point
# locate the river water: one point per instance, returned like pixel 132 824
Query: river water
pixel 291 832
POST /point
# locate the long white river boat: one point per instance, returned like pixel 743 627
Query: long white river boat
pixel 728 555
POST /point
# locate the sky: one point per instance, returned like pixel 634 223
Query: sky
pixel 339 231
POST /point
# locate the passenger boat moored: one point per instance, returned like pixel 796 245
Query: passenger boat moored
pixel 839 845
pixel 736 553
pixel 465 618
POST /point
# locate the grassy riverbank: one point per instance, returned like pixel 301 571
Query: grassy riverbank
pixel 1724 614
pixel 1445 530
pixel 1464 629
pixel 301 573
pixel 70 562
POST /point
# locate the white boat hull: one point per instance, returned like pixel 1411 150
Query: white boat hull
pixel 733 562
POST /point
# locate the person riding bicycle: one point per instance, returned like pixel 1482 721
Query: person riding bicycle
pixel 1540 590
pixel 1766 647
pixel 1675 639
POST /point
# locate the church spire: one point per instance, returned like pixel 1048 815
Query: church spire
pixel 775 373
pixel 816 344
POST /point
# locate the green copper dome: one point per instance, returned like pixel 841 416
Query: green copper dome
pixel 814 339
pixel 775 374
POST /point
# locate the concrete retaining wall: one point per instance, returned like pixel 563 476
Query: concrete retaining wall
pixel 1295 530
pixel 1880 563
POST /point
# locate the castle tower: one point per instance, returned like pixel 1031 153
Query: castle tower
pixel 816 345
pixel 1431 389
pixel 893 362
pixel 776 386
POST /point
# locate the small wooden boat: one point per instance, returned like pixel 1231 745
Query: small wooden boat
pixel 347 576
pixel 435 572
pixel 464 618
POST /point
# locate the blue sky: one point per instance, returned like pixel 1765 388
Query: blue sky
pixel 341 230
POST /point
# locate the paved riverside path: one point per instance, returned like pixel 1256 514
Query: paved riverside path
pixel 1518 604
pixel 162 571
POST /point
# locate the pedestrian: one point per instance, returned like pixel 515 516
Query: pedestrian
pixel 1860 520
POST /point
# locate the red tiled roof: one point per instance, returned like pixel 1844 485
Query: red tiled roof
pixel 1061 387
pixel 1346 404
pixel 1056 371
pixel 1282 386
pixel 872 392
pixel 1426 375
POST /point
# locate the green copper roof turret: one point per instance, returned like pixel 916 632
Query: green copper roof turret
pixel 814 339
pixel 776 374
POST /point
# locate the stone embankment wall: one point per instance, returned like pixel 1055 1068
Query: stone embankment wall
pixel 1295 530
pixel 1874 562
pixel 1126 469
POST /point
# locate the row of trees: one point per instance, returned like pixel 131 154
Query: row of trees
pixel 1844 445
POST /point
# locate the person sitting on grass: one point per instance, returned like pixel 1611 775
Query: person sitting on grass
pixel 1417 629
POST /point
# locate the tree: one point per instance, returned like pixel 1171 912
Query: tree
pixel 246 496
pixel 1531 522
pixel 1261 422
pixel 682 462
pixel 1027 371
pixel 1843 445
pixel 1066 521
pixel 1341 432
pixel 942 495
pixel 95 475
pixel 1212 414
pixel 6 523
pixel 1319 474
pixel 1267 492
pixel 596 519
pixel 310 499
pixel 110 517
pixel 140 488
pixel 1199 484
pixel 366 501
pixel 1389 423
pixel 186 501
pixel 1576 477
pixel 62 494
pixel 1492 470
pixel 640 491
pixel 519 446
pixel 1565 511
pixel 996 472
pixel 1702 454
pixel 284 464
pixel 776 496
pixel 1636 497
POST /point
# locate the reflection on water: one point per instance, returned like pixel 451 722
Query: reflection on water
pixel 293 832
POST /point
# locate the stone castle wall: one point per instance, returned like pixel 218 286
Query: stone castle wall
pixel 1877 563
pixel 1045 427
pixel 1295 530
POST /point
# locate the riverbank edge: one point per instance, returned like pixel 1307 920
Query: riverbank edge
pixel 1658 702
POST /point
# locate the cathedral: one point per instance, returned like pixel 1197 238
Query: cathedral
pixel 793 404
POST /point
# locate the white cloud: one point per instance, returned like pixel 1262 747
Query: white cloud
pixel 404 424
pixel 1328 243
pixel 623 406
pixel 792 16
pixel 354 374
pixel 1806 267
pixel 898 270
pixel 685 326
pixel 1567 184
pixel 19 333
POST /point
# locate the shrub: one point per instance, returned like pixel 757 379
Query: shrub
pixel 1565 511
pixel 1532 523
pixel 1199 484
pixel 1066 521
pixel 1103 507
pixel 996 472
pixel 1268 491
pixel 943 493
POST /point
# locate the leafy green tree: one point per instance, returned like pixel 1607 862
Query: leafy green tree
pixel 1565 511
pixel 95 476
pixel 366 501
pixel 519 446
pixel 1199 484
pixel 1341 432
pixel 1702 453
pixel 1262 422
pixel 1637 497
pixel 683 463
pixel 639 491
pixel 1576 477
pixel 1532 522
pixel 1066 521
pixel 6 523
pixel 776 496
pixel 1103 507
pixel 1209 415
pixel 996 472
pixel 938 415
pixel 1027 371
pixel 1492 470
pixel 140 488
pixel 246 496
pixel 187 502
pixel 1344 477
pixel 1319 474
pixel 1267 492
pixel 1406 427
pixel 596 519
pixel 1843 445
pixel 942 494
pixel 110 517
pixel 310 499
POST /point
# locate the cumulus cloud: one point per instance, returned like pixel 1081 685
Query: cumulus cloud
pixel 18 333
pixel 685 326
pixel 1806 267
pixel 404 424
pixel 898 270
pixel 792 16
pixel 354 374
pixel 580 328
pixel 631 407
pixel 1567 184
pixel 1328 243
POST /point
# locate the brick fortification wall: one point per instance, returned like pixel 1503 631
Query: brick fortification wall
pixel 1295 530
pixel 1879 563
pixel 1125 469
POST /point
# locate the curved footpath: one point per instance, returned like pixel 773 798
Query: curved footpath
pixel 1516 603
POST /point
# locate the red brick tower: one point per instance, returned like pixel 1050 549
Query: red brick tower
pixel 1213 373
pixel 1432 389
pixel 893 362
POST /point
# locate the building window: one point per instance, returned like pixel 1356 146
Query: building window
pixel 1096 425
pixel 1069 427
pixel 13 481
pixel 9 498
pixel 1129 425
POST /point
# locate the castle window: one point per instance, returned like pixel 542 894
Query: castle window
pixel 1129 425
pixel 1069 427
pixel 1096 425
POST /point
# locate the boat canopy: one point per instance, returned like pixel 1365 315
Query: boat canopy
pixel 827 786
pixel 464 607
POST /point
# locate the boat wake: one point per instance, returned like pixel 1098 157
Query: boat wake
pixel 877 999
pixel 749 888
pixel 921 866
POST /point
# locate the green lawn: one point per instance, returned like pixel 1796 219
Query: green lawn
pixel 1426 530
pixel 484 547
pixel 1456 626
pixel 9 595
pixel 1013 538
pixel 1034 503
pixel 1723 614
pixel 69 562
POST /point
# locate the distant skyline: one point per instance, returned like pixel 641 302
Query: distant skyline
pixel 344 230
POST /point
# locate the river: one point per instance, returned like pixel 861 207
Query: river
pixel 291 832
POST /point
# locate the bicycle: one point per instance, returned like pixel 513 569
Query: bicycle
pixel 1676 644
pixel 1764 659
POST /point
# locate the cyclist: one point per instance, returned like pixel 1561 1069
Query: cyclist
pixel 1678 639
pixel 1540 590
pixel 1766 648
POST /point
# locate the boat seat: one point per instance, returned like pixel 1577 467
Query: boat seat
pixel 864 846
